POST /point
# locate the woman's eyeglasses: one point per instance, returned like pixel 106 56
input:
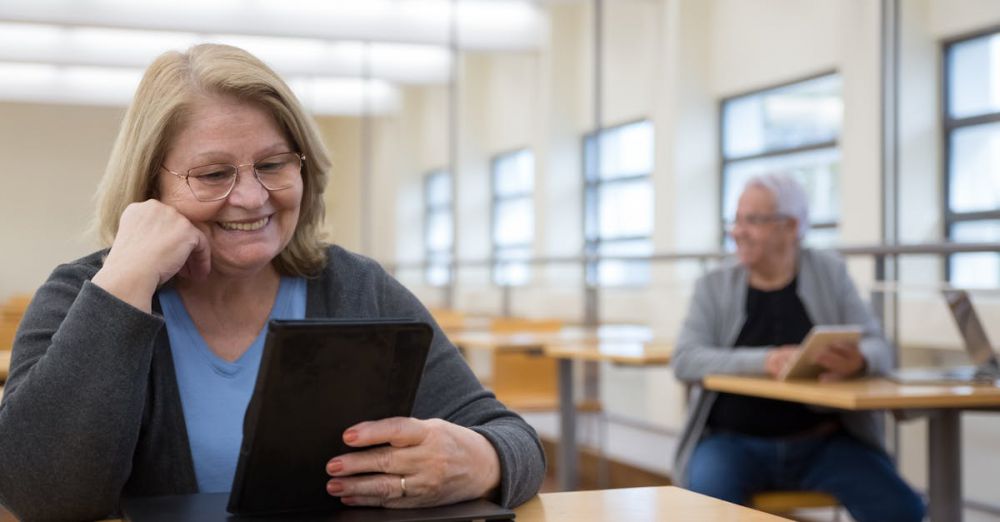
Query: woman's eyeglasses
pixel 216 181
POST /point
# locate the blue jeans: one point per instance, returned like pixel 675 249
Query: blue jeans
pixel 734 467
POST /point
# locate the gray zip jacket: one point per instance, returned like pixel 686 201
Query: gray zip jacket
pixel 716 316
pixel 92 412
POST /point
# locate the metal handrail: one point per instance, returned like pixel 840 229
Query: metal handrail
pixel 944 248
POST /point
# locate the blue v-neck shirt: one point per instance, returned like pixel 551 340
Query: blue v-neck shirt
pixel 215 392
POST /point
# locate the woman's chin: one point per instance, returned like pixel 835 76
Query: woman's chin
pixel 242 264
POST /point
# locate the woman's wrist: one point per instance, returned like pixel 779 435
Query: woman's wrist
pixel 129 286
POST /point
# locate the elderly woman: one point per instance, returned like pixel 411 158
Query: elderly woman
pixel 748 318
pixel 133 366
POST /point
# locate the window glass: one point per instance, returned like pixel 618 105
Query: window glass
pixel 801 114
pixel 976 269
pixel 974 77
pixel 513 216
pixel 974 168
pixel 514 174
pixel 972 131
pixel 438 227
pixel 626 150
pixel 618 202
pixel 626 209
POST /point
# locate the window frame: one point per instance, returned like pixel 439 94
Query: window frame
pixel 949 126
pixel 724 162
pixel 429 209
pixel 496 200
pixel 592 246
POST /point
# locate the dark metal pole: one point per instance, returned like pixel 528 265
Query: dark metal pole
pixel 366 153
pixel 449 297
pixel 887 268
pixel 591 313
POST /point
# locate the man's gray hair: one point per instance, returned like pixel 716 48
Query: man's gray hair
pixel 789 196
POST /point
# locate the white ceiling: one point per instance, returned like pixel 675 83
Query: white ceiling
pixel 94 51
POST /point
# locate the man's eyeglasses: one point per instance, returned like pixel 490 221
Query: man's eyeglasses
pixel 756 220
pixel 216 181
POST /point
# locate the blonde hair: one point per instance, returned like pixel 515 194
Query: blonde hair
pixel 162 104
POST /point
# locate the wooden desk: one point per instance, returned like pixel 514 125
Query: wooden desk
pixel 943 403
pixel 635 505
pixel 536 341
pixel 634 353
pixel 465 324
pixel 614 505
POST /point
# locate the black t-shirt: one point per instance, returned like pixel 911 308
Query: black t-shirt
pixel 774 318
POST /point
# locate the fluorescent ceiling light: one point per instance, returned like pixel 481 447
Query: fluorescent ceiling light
pixel 103 86
pixel 327 48
pixel 481 24
pixel 404 63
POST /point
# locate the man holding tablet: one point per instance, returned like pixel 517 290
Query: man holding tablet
pixel 751 317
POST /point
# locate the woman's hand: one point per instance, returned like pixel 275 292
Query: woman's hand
pixel 426 463
pixel 841 361
pixel 778 358
pixel 154 243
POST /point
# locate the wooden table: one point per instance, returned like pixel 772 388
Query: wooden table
pixel 616 505
pixel 943 403
pixel 635 505
pixel 536 341
pixel 633 353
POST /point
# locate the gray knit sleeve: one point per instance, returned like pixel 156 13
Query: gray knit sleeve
pixel 700 351
pixel 72 407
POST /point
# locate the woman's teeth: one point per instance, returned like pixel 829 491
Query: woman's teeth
pixel 246 227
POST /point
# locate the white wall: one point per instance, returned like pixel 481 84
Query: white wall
pixel 54 157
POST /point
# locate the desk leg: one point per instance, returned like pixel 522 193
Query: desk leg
pixel 945 466
pixel 567 427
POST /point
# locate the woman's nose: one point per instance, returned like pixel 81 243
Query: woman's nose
pixel 248 192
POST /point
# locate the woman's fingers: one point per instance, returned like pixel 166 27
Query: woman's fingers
pixel 380 490
pixel 383 459
pixel 442 463
pixel 396 431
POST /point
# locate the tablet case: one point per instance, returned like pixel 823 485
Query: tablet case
pixel 317 378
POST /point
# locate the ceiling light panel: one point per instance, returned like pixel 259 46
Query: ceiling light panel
pixel 481 24
pixel 405 63
pixel 103 86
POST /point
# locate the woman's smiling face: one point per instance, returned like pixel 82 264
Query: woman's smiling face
pixel 250 227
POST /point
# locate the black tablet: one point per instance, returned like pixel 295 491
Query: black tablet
pixel 317 378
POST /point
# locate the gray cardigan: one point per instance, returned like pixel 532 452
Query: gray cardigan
pixel 92 412
pixel 716 315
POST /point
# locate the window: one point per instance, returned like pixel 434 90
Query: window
pixel 513 216
pixel 791 129
pixel 438 227
pixel 972 156
pixel 618 203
